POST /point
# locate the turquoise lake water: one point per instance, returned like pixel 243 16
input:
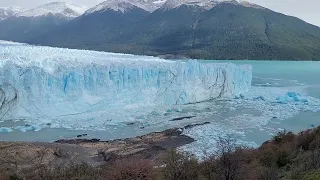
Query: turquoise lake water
pixel 254 122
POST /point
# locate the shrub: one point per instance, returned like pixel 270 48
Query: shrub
pixel 267 155
pixel 179 166
pixel 304 139
pixel 230 163
pixel 71 172
pixel 311 176
pixel 283 158
pixel 131 169
pixel 283 137
pixel 269 174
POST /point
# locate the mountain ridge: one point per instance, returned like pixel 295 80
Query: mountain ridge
pixel 229 30
pixel 226 31
pixel 6 12
pixel 54 8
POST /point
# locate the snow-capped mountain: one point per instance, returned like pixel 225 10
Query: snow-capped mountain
pixel 115 5
pixel 125 5
pixel 37 21
pixel 150 5
pixel 6 12
pixel 60 9
pixel 206 4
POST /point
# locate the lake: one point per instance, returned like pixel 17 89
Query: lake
pixel 253 122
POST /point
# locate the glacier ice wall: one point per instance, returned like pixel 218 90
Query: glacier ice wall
pixel 45 81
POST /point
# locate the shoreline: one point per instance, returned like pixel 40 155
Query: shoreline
pixel 93 151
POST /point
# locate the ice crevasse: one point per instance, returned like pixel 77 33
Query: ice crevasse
pixel 44 81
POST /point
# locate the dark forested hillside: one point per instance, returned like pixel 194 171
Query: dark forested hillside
pixel 227 31
pixel 93 31
pixel 21 29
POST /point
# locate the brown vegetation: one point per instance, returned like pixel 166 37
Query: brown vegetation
pixel 286 156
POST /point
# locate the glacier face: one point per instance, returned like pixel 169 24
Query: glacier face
pixel 43 82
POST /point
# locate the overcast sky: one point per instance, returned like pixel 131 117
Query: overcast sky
pixel 307 10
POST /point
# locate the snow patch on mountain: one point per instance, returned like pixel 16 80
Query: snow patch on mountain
pixel 150 5
pixel 206 4
pixel 115 5
pixel 248 4
pixel 6 12
pixel 125 5
pixel 55 8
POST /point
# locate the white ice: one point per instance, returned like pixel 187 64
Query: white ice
pixel 255 110
pixel 88 90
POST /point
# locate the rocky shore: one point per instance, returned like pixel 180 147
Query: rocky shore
pixel 92 151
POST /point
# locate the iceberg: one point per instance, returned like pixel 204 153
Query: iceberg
pixel 5 130
pixel 291 97
pixel 40 81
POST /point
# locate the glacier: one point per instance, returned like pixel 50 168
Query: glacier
pixel 44 84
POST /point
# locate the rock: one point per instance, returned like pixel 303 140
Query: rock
pixel 77 141
pixel 82 135
pixel 181 118
pixel 194 125
pixel 259 98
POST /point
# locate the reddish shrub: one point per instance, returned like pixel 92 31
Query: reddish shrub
pixel 131 169
pixel 180 167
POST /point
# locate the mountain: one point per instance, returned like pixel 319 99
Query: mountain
pixel 59 9
pixel 6 12
pixel 204 4
pixel 103 23
pixel 229 31
pixel 34 22
pixel 149 5
pixel 207 29
pixel 121 5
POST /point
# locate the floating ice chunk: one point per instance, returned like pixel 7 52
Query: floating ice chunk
pixel 293 94
pixel 281 100
pixel 25 128
pixel 291 97
pixel 5 130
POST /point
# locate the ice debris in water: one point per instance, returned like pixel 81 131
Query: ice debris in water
pixel 5 130
pixel 241 96
pixel 291 97
pixel 57 82
pixel 27 127
pixel 259 98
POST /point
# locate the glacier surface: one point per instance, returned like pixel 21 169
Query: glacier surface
pixel 58 86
